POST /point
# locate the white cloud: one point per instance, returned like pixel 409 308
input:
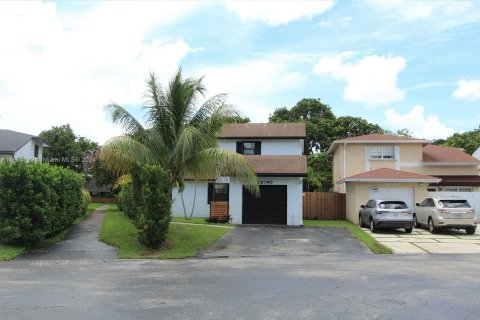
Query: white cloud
pixel 371 80
pixel 428 127
pixel 251 85
pixel 467 89
pixel 278 12
pixel 60 67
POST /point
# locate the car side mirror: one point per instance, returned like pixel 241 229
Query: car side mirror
pixel 362 206
pixel 417 204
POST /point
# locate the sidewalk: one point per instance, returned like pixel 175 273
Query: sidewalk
pixel 81 243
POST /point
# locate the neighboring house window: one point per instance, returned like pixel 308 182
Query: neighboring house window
pixel 249 147
pixel 382 152
pixel 458 189
pixel 218 192
pixel 37 151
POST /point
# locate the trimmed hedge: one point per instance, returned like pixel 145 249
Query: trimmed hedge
pixel 155 212
pixel 126 201
pixel 37 201
pixel 86 200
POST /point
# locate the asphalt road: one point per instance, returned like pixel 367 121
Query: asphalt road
pixel 322 286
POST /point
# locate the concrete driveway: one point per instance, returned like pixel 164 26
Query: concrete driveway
pixel 268 241
pixel 422 241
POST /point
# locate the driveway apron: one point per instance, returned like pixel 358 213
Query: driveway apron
pixel 264 241
pixel 82 243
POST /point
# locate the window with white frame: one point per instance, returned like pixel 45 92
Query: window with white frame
pixel 381 152
pixel 458 189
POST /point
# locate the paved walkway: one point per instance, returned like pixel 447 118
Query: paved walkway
pixel 81 243
pixel 422 241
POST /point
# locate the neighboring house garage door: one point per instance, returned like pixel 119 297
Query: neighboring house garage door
pixel 405 194
pixel 269 208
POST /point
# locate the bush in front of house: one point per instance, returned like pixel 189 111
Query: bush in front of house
pixel 156 201
pixel 126 201
pixel 86 200
pixel 37 201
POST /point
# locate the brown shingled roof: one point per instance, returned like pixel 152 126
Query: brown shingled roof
pixel 458 181
pixel 377 139
pixel 263 130
pixel 440 154
pixel 385 174
pixel 267 165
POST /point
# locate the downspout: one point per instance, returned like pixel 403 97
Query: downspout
pixel 344 162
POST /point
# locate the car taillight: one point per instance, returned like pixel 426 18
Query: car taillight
pixel 379 211
pixel 442 210
pixel 471 211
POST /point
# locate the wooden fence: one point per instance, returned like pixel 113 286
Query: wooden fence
pixel 324 206
pixel 103 200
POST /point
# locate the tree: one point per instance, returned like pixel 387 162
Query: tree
pixel 66 149
pixel 181 135
pixel 319 172
pixel 316 116
pixel 469 141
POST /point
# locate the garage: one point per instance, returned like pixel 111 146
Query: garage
pixel 269 208
pixel 405 194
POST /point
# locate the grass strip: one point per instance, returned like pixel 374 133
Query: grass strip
pixel 369 241
pixel 185 240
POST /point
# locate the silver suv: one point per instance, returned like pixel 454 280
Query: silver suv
pixel 386 214
pixel 445 212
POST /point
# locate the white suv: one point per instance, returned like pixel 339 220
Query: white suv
pixel 445 212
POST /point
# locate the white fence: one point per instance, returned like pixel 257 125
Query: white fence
pixel 472 197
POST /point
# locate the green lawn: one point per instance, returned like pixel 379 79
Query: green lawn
pixel 370 242
pixel 186 240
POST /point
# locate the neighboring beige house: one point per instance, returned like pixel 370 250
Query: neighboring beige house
pixel 381 166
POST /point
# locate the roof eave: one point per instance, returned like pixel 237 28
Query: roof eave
pixel 388 180
pixel 452 164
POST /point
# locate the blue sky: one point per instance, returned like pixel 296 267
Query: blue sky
pixel 410 64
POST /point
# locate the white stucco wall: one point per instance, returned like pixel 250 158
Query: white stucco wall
pixel 294 199
pixel 201 208
pixel 28 152
pixel 269 146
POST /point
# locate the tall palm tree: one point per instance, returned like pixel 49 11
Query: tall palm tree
pixel 181 136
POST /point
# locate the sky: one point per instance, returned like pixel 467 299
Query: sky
pixel 399 64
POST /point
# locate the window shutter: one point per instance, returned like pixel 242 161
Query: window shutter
pixel 240 147
pixel 258 147
pixel 210 193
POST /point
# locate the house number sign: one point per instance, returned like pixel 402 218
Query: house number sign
pixel 265 182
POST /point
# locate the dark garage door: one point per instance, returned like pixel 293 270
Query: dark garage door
pixel 269 208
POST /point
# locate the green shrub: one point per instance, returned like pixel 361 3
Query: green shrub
pixel 155 211
pixel 37 201
pixel 126 201
pixel 86 199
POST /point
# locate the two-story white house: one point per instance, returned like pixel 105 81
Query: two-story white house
pixel 16 145
pixel 275 152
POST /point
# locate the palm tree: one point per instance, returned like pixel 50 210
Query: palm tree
pixel 180 137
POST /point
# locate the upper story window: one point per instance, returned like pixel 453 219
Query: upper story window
pixel 249 147
pixel 381 152
pixel 37 151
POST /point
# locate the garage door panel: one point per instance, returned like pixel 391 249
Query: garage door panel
pixel 405 194
pixel 269 208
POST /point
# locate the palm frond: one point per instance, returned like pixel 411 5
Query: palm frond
pixel 213 162
pixel 121 154
pixel 130 125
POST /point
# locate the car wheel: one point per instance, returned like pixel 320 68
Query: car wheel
pixel 431 226
pixel 415 222
pixel 373 227
pixel 409 230
pixel 360 221
pixel 470 230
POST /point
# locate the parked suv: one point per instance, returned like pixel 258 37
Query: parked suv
pixel 386 214
pixel 445 212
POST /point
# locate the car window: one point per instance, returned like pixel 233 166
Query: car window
pixel 424 203
pixel 430 203
pixel 392 205
pixel 454 204
pixel 369 204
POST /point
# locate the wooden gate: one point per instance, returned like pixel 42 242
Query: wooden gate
pixel 324 206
